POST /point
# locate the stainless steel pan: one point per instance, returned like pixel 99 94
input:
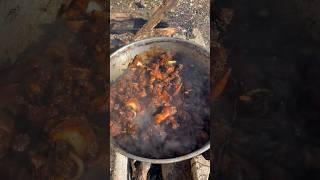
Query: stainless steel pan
pixel 186 50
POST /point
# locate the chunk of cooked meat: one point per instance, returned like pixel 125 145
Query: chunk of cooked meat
pixel 166 112
pixel 156 73
pixel 169 69
pixel 142 93
pixel 137 61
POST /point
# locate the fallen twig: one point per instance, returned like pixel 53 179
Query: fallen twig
pixel 156 17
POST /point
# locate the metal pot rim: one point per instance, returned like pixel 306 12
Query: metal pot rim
pixel 168 160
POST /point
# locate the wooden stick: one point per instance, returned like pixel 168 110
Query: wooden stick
pixel 120 167
pixel 200 168
pixel 143 171
pixel 156 17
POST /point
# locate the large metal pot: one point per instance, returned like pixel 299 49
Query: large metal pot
pixel 120 59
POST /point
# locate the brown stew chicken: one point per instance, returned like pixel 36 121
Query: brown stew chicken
pixel 157 111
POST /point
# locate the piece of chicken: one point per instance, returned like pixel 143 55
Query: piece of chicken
pixel 166 112
pixel 136 62
pixel 155 72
